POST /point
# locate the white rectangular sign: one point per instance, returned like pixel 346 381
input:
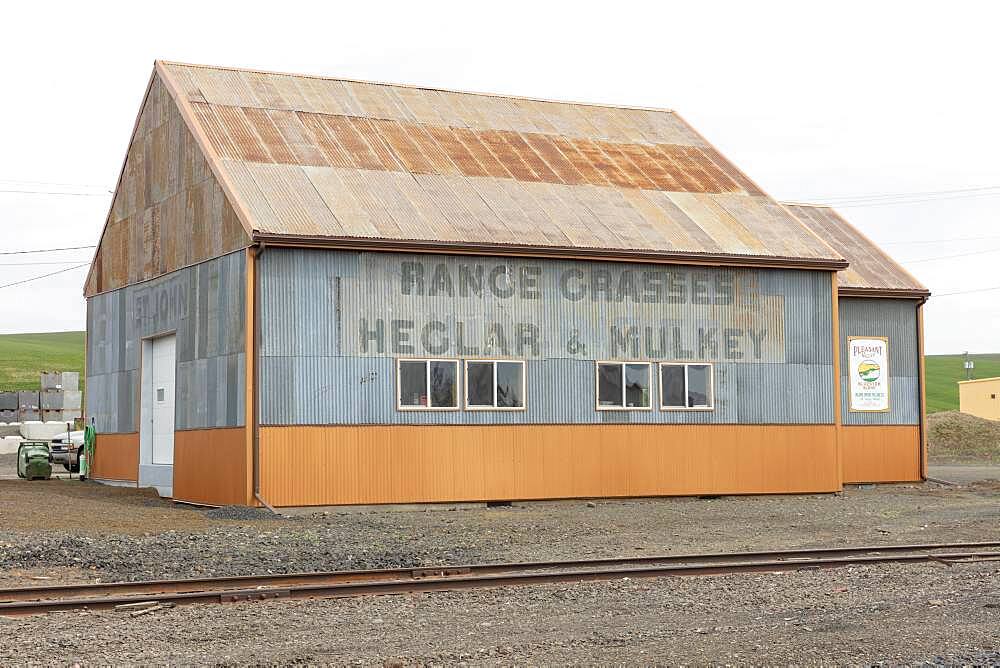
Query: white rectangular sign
pixel 868 373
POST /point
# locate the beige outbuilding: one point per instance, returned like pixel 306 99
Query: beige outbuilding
pixel 980 397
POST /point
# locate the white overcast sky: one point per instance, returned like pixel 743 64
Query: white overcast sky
pixel 813 100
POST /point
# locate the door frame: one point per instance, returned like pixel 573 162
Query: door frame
pixel 159 476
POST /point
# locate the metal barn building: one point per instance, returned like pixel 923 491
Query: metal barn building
pixel 314 291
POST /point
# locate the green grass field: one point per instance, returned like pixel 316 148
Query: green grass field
pixel 944 372
pixel 24 356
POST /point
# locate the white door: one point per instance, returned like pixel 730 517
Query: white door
pixel 162 393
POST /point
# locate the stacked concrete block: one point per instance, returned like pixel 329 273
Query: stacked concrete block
pixel 60 380
pixel 29 406
pixel 9 445
pixel 42 431
pixel 10 429
pixel 61 415
pixel 61 400
pixel 28 400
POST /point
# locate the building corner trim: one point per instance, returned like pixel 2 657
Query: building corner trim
pixel 837 418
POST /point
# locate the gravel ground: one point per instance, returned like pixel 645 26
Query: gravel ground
pixel 859 616
pixel 69 530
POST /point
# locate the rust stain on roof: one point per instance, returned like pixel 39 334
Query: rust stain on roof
pixel 314 157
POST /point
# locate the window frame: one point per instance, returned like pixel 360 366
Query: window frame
pixel 685 407
pixel 427 360
pixel 494 407
pixel 597 389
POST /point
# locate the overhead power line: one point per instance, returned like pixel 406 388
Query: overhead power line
pixel 54 183
pixel 35 264
pixel 949 257
pixel 924 193
pixel 35 278
pixel 54 192
pixel 44 250
pixel 937 241
pixel 900 202
pixel 966 292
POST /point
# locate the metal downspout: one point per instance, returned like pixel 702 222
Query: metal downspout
pixel 255 425
pixel 922 389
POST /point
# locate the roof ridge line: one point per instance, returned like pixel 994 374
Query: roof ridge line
pixel 507 96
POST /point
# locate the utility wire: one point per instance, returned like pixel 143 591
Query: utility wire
pixel 34 264
pixel 878 196
pixel 53 183
pixel 966 292
pixel 53 192
pixel 936 241
pixel 35 278
pixel 949 257
pixel 44 250
pixel 914 201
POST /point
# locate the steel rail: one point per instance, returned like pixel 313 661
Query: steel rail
pixel 29 600
pixel 459 582
pixel 339 577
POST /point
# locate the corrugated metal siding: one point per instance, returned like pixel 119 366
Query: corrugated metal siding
pixel 315 368
pixel 168 210
pixel 895 319
pixel 205 305
pixel 362 465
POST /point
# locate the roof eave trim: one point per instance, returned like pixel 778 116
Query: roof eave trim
pixel 885 293
pixel 615 255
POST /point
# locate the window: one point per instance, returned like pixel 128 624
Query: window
pixel 494 384
pixel 686 386
pixel 427 384
pixel 623 385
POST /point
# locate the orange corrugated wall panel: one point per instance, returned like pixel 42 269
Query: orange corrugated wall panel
pixel 210 466
pixel 418 464
pixel 881 453
pixel 116 457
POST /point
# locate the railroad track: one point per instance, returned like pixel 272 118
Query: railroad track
pixel 338 584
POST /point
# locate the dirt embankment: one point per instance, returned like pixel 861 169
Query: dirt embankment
pixel 957 438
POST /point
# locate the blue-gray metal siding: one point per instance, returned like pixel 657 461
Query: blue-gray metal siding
pixel 205 305
pixel 333 324
pixel 895 319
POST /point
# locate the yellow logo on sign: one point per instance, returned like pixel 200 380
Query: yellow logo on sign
pixel 869 371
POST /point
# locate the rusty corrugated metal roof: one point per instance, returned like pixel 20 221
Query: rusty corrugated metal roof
pixel 315 158
pixel 871 269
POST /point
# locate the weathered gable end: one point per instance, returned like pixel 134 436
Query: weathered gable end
pixel 168 211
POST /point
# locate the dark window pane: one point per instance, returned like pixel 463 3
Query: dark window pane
pixel 609 384
pixel 479 378
pixel 444 384
pixel 413 383
pixel 699 386
pixel 637 385
pixel 510 377
pixel 673 385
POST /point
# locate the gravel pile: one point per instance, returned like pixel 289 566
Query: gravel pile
pixel 956 438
